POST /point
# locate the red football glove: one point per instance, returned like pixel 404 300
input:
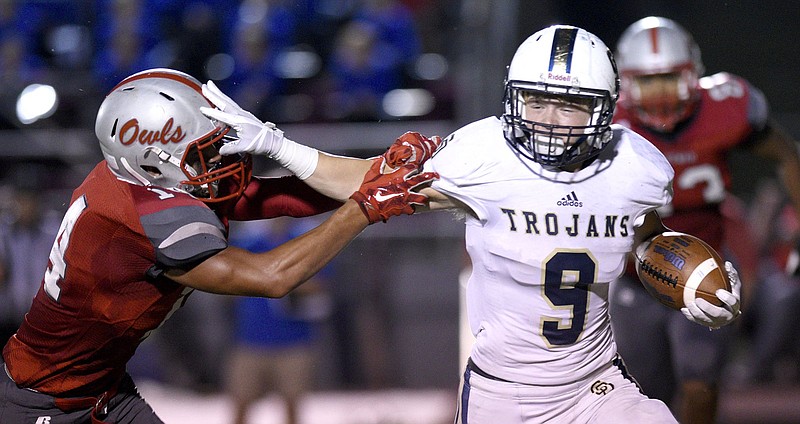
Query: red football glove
pixel 382 196
pixel 411 148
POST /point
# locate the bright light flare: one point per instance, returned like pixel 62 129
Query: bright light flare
pixel 37 101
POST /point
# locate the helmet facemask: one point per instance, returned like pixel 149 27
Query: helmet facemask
pixel 564 66
pixel 554 145
pixel 661 101
pixel 206 169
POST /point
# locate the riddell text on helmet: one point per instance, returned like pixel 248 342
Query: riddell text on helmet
pixel 559 77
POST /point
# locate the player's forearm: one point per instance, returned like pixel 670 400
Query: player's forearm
pixel 338 176
pixel 651 226
pixel 275 273
pixel 282 269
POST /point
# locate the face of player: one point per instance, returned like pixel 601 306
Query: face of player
pixel 556 115
pixel 661 101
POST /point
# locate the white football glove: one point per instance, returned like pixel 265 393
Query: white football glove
pixel 703 312
pixel 254 136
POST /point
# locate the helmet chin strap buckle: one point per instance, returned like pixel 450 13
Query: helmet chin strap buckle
pixel 166 157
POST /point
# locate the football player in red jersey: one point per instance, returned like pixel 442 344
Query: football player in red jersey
pixel 148 226
pixel 695 121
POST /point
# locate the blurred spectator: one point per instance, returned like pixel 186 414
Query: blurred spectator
pixel 321 20
pixel 124 33
pixel 27 233
pixel 396 31
pixel 360 73
pixel 18 68
pixel 126 16
pixel 18 18
pixel 203 30
pixel 254 83
pixel 277 17
pixel 274 348
pixel 19 24
pixel 372 55
pixel 124 55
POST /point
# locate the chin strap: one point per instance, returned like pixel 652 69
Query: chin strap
pixel 166 157
pixel 196 190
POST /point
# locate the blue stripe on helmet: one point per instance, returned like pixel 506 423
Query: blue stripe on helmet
pixel 563 47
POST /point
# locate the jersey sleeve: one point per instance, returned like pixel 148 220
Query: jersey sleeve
pixel 649 171
pixel 282 196
pixel 183 230
pixel 742 98
pixel 466 161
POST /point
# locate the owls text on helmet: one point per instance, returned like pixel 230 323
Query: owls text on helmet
pixel 151 132
pixel 572 64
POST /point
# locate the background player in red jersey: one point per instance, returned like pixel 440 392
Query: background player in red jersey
pixel 147 227
pixel 695 122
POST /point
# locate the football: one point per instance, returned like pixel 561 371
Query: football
pixel 677 268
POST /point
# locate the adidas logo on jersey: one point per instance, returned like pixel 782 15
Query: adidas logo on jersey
pixel 570 200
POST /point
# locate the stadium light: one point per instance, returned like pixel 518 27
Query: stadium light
pixel 37 101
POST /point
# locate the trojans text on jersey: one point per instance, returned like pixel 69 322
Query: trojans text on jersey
pixel 590 225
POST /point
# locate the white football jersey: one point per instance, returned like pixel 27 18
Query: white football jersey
pixel 545 246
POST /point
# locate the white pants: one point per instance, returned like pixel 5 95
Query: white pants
pixel 606 397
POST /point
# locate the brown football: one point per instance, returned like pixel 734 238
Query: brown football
pixel 676 268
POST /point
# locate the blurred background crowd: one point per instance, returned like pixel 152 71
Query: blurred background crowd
pixel 348 76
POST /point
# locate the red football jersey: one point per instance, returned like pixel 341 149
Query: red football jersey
pixel 101 294
pixel 103 291
pixel 729 110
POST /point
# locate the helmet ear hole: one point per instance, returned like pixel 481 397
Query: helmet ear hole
pixel 152 170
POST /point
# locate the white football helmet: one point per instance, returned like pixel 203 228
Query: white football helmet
pixel 152 132
pixel 655 46
pixel 565 61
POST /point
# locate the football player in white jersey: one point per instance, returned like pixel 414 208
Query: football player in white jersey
pixel 554 199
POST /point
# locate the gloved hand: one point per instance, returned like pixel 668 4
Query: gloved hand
pixel 254 136
pixel 703 312
pixel 382 196
pixel 411 148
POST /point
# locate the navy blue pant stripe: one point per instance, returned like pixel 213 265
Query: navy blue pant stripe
pixel 465 397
